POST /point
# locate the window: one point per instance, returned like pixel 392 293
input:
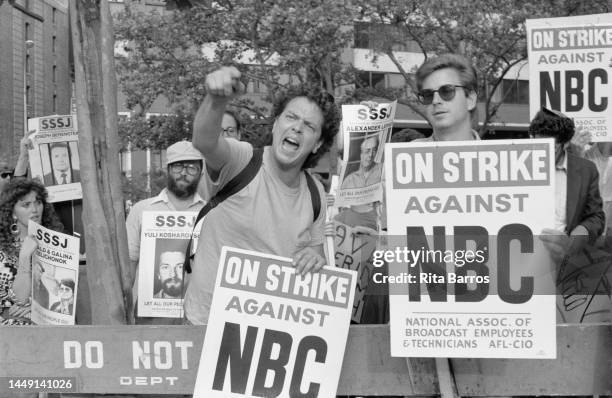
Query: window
pixel 361 35
pixel 515 91
pixel 54 103
pixel 53 43
pixel 256 87
pixel 27 31
pixel 381 80
pixel 395 80
pixel 54 15
pixel 29 102
pixel 54 74
pixel 376 36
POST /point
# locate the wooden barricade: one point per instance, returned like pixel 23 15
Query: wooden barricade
pixel 163 360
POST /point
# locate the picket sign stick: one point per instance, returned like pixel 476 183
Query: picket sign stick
pixel 445 378
pixel 329 216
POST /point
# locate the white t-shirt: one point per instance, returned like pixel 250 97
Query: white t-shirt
pixel 266 216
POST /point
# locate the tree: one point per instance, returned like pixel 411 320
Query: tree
pixel 490 33
pixel 279 43
pixel 109 276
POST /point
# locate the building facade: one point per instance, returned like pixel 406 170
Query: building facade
pixel 35 71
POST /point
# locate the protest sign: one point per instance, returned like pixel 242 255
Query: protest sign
pixel 54 157
pixel 365 130
pixel 468 276
pixel 55 276
pixel 163 242
pixel 354 251
pixel 267 320
pixel 584 287
pixel 569 63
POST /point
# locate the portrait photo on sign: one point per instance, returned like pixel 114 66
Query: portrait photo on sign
pixel 60 162
pixel 362 169
pixel 54 287
pixel 168 275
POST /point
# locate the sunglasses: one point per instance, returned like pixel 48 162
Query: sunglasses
pixel 447 92
pixel 6 175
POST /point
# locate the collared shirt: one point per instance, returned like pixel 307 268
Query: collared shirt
pixel 561 195
pixel 163 295
pixel 433 137
pixel 60 176
pixel 65 308
pixel 362 178
pixel 160 202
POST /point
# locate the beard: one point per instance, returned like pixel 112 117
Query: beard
pixel 182 192
pixel 173 287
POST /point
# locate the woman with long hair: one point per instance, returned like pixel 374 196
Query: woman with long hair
pixel 22 200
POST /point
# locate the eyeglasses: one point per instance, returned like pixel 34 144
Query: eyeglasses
pixel 6 175
pixel 446 92
pixel 64 289
pixel 230 130
pixel 177 168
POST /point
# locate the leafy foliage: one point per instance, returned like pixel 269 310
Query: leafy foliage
pixel 275 43
pixel 282 43
pixel 135 187
pixel 490 33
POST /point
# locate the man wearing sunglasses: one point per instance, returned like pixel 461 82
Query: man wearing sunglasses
pixel 447 88
pixel 184 170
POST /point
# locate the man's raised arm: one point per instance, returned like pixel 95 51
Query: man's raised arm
pixel 221 86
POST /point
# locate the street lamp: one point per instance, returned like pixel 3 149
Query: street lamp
pixel 28 44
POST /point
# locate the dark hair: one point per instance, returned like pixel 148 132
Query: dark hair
pixel 234 115
pixel 331 117
pixel 552 124
pixel 69 283
pixel 15 190
pixel 59 145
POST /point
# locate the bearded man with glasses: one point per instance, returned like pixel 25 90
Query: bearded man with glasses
pixel 447 87
pixel 184 170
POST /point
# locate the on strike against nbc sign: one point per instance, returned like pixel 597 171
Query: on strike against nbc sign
pixel 272 332
pixel 467 273
pixel 569 63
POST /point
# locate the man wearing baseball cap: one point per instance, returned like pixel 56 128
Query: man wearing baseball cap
pixel 184 169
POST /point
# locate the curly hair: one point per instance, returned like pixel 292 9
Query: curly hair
pixel 552 124
pixel 331 117
pixel 14 191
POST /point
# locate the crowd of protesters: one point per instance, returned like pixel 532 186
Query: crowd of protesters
pixel 281 208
